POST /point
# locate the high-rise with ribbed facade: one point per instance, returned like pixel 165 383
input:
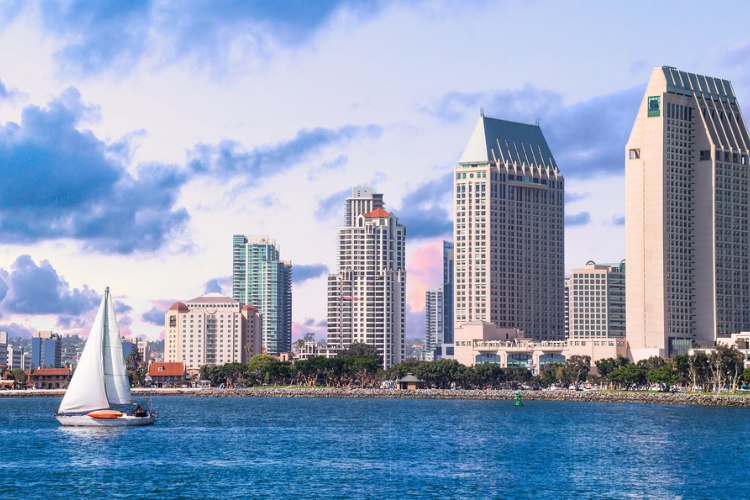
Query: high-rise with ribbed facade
pixel 686 223
pixel 367 296
pixel 508 230
pixel 261 279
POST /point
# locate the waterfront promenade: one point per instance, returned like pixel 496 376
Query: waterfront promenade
pixel 678 398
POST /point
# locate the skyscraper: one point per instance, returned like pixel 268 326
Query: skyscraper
pixel 261 279
pixel 508 230
pixel 686 223
pixel 367 296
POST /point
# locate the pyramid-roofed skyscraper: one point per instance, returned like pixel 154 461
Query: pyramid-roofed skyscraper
pixel 686 222
pixel 509 230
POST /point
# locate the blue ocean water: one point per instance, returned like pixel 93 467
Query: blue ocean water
pixel 380 448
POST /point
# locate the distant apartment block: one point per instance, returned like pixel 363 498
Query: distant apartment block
pixel 439 310
pixel 46 350
pixel 566 306
pixel 5 358
pixel 434 318
pixel 261 278
pixel 686 223
pixel 509 231
pixel 448 271
pixel 597 301
pixel 367 296
pixel 211 330
pixel 17 358
pixel 143 348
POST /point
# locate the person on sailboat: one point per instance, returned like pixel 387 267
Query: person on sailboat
pixel 140 412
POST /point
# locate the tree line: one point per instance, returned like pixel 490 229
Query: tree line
pixel 722 369
pixel 360 366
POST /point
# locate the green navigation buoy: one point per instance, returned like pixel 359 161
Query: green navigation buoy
pixel 518 399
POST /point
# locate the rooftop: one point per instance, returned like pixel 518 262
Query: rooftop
pixel 682 82
pixel 378 213
pixel 42 372
pixel 502 140
pixel 212 298
pixel 164 369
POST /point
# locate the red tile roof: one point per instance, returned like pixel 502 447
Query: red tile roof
pixel 179 306
pixel 46 372
pixel 164 369
pixel 249 307
pixel 378 213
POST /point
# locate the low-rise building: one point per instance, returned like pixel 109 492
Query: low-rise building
pixel 479 342
pixel 49 378
pixel 165 374
pixel 739 340
pixel 307 349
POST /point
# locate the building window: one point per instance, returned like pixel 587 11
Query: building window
pixel 635 154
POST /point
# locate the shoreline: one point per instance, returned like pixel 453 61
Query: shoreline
pixel 678 398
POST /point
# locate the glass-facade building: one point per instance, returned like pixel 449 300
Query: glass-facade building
pixel 46 350
pixel 260 278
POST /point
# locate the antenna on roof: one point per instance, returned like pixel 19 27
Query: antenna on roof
pixel 537 121
pixel 481 112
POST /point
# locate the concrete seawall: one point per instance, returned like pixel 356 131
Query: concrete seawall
pixel 680 398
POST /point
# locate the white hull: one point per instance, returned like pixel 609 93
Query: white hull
pixel 86 421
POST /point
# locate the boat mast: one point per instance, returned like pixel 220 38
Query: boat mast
pixel 105 337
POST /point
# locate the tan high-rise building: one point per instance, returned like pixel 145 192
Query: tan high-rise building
pixel 508 231
pixel 686 224
pixel 211 330
pixel 367 296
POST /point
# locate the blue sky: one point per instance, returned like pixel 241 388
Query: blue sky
pixel 137 137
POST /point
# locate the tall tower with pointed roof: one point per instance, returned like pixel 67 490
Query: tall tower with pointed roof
pixel 686 222
pixel 367 296
pixel 509 231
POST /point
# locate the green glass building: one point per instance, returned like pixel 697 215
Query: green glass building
pixel 260 278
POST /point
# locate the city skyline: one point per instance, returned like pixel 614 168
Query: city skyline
pixel 130 162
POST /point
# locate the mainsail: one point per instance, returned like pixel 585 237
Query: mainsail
pixel 116 381
pixel 100 379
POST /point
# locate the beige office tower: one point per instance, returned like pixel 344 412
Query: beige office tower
pixel 686 224
pixel 367 297
pixel 508 231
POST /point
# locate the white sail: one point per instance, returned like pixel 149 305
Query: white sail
pixel 116 380
pixel 86 390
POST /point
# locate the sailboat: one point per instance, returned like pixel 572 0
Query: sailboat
pixel 100 381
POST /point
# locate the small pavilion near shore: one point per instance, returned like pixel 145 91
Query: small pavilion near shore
pixel 410 383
